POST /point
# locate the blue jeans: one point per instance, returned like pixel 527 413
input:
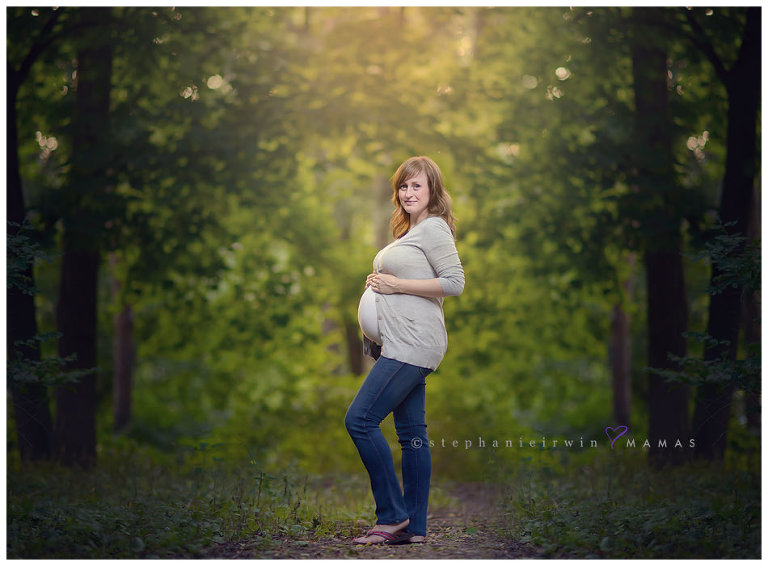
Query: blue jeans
pixel 398 388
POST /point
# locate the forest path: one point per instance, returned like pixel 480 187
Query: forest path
pixel 471 526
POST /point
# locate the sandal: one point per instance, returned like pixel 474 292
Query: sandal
pixel 400 537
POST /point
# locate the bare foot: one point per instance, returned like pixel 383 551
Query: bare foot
pixel 368 538
pixel 418 538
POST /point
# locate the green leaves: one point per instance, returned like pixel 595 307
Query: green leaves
pixel 623 510
pixel 23 250
pixel 252 148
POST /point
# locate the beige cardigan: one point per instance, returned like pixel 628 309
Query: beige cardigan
pixel 412 327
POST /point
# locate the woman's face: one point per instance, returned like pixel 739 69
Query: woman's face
pixel 414 196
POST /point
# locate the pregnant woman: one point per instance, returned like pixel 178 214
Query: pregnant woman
pixel 411 276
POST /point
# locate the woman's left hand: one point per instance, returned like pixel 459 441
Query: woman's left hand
pixel 383 283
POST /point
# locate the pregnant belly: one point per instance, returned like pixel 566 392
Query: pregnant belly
pixel 367 316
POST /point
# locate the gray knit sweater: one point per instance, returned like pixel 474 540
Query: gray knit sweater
pixel 412 327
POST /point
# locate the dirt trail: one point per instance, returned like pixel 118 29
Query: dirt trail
pixel 472 527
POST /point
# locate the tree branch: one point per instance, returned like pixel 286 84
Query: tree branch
pixel 700 39
pixel 43 40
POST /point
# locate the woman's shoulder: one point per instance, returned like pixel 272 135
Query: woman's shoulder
pixel 437 221
pixel 437 224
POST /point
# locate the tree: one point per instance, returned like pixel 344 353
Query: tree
pixel 247 193
pixel 712 413
pixel 655 180
pixel 124 354
pixel 621 361
pixel 90 178
pixel 30 400
pixel 34 429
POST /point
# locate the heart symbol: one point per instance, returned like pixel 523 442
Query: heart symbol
pixel 622 433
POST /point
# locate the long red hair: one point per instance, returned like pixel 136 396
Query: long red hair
pixel 439 199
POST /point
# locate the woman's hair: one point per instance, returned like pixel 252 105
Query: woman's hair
pixel 439 199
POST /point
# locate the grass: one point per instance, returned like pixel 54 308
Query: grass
pixel 140 503
pixel 616 507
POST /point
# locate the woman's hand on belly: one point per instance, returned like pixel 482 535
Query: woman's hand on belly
pixel 387 284
pixel 383 283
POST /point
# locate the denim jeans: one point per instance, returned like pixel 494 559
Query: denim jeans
pixel 398 388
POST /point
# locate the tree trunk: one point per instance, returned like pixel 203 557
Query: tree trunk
pixel 667 321
pixel 123 355
pixel 76 319
pixel 667 305
pixel 713 403
pixel 354 347
pixel 34 429
pixel 752 331
pixel 621 357
pixel 620 352
pixel 752 337
pixel 76 310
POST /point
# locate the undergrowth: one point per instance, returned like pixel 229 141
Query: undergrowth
pixel 143 503
pixel 140 505
pixel 616 507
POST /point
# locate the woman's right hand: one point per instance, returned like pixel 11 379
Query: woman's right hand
pixel 383 283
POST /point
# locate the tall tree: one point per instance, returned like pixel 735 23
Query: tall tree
pixel 89 179
pixel 752 330
pixel 30 400
pixel 123 353
pixel 655 179
pixel 621 381
pixel 742 83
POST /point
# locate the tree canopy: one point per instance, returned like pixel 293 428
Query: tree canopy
pixel 244 192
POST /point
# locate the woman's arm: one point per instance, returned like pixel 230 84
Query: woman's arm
pixel 440 248
pixel 441 253
pixel 387 284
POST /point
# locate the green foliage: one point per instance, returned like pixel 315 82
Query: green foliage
pixel 147 503
pixel 618 508
pixel 743 373
pixel 142 503
pixel 252 147
pixel 738 266
pixel 736 259
pixel 49 371
pixel 23 251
